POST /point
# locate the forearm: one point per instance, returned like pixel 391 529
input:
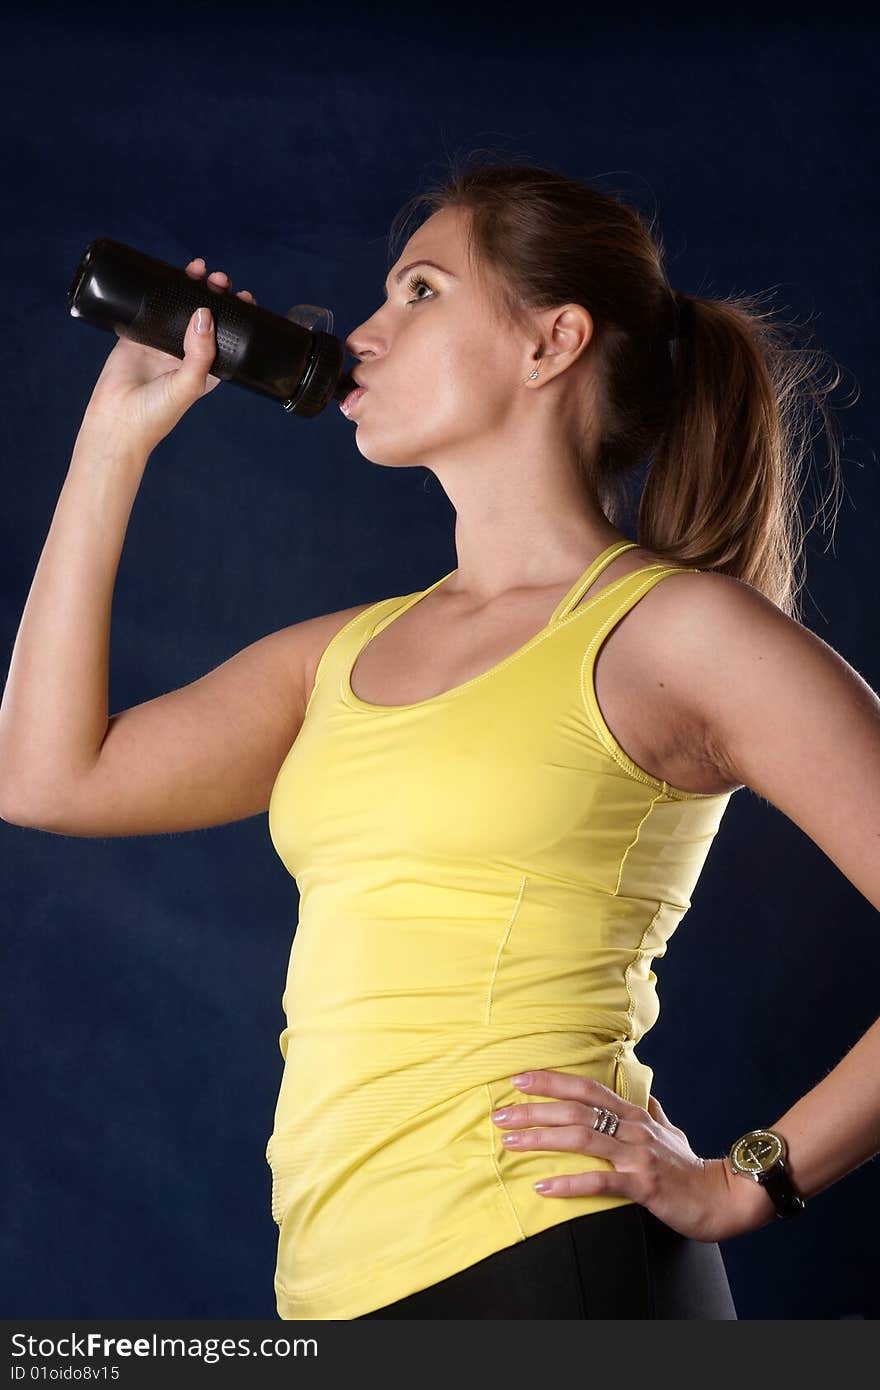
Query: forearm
pixel 829 1132
pixel 54 712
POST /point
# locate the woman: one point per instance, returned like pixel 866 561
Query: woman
pixel 494 832
pixel 496 794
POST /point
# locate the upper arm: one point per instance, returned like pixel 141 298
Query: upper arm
pixel 200 756
pixel 784 714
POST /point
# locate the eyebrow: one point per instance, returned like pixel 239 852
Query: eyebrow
pixel 400 274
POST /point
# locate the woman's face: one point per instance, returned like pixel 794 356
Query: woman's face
pixel 443 375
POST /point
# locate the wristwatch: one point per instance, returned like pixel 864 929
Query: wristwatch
pixel 760 1154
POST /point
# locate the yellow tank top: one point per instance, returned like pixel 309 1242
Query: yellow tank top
pixel 484 880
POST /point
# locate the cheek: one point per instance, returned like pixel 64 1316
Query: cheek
pixel 436 394
pixel 463 365
pixel 478 377
pixel 460 409
pixel 444 392
pixel 466 385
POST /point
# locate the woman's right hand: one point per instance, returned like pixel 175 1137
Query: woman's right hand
pixel 142 392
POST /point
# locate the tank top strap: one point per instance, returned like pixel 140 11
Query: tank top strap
pixel 396 607
pixel 389 609
pixel 625 592
pixel 580 586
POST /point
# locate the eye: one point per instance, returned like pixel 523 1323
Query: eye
pixel 413 283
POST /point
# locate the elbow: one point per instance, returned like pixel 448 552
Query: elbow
pixel 12 815
pixel 29 811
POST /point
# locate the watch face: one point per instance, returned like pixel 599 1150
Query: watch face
pixel 757 1151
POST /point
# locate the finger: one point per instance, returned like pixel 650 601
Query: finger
pixel 196 270
pixel 578 1139
pixel 195 273
pixel 590 1184
pixel 553 1112
pixel 582 1088
pixel 187 384
pixel 218 279
pixel 656 1111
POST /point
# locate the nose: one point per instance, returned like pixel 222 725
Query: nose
pixel 359 354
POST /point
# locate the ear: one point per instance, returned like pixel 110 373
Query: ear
pixel 567 332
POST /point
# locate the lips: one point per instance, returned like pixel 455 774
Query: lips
pixel 351 399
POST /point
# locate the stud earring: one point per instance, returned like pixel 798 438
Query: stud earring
pixel 532 375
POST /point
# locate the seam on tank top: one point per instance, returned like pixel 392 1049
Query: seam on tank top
pixel 401 601
pixel 630 767
pixel 492 1128
pixel 634 839
pixel 493 1139
pixel 618 1061
pixel 513 916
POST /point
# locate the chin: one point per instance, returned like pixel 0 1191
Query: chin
pixel 388 457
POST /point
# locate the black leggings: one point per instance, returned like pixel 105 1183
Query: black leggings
pixel 619 1263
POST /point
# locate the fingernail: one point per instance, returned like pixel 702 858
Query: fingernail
pixel 203 321
pixel 522 1080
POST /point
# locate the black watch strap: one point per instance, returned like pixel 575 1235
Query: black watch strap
pixel 782 1192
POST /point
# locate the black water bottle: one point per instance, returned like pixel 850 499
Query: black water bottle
pixel 293 358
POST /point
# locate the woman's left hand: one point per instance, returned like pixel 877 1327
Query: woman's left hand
pixel 653 1163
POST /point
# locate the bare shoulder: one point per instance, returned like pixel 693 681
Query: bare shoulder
pixel 784 714
pixel 648 695
pixel 697 633
pixel 704 610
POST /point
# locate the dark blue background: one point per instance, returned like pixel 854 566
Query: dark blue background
pixel 143 976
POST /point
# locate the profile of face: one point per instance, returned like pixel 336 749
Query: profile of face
pixel 443 374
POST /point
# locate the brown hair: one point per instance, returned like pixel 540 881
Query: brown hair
pixel 721 412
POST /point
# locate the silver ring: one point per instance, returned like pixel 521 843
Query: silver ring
pixel 606 1121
